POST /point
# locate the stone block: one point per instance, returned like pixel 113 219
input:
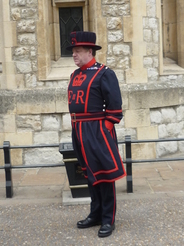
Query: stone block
pixel 153 74
pixel 180 113
pixel 66 136
pixel 26 26
pixel 36 101
pixel 155 62
pixel 57 41
pixel 152 49
pixel 127 28
pixel 138 8
pixel 14 81
pixel 8 54
pixel 114 23
pixel 143 151
pixel 6 11
pixel 148 62
pixel 162 131
pixel 120 75
pixel 9 68
pixel 168 115
pixel 136 76
pixel 9 123
pixel 122 132
pixel 61 101
pixel 123 63
pixel 166 148
pixel 24 67
pixel 51 122
pixel 125 99
pixel 139 49
pixel 137 118
pixel 153 23
pixel 151 8
pixel 31 80
pixel 42 156
pixel 27 13
pixel 111 62
pixel 10 36
pixel 171 130
pixel 42 67
pixel 154 98
pixel 150 132
pixel 7 102
pixel 21 53
pixel 27 39
pixel 16 157
pixel 155 116
pixel 147 35
pixel 46 137
pixel 21 138
pixel 155 36
pixel 115 36
pixel 121 49
pixel 137 62
pixel 27 123
pixel 32 3
pixel 15 14
pixel 66 120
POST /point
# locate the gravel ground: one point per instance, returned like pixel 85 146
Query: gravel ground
pixel 155 221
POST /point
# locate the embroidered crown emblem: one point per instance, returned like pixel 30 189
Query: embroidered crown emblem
pixel 74 41
pixel 79 79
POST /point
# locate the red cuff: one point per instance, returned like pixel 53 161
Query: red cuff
pixel 109 125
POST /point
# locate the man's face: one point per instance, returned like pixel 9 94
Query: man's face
pixel 81 55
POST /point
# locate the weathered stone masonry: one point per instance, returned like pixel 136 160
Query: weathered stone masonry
pixel 34 104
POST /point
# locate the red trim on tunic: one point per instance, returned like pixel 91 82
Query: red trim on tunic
pixel 108 181
pixel 114 111
pixel 111 153
pixel 88 89
pixel 112 118
pixel 82 148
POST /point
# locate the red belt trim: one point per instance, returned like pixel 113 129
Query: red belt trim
pixel 76 117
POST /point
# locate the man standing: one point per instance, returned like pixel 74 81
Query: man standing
pixel 94 100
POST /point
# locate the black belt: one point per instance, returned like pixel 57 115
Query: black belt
pixel 76 117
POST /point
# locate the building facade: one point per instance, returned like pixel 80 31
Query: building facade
pixel 142 41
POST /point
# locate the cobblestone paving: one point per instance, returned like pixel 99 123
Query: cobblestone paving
pixel 146 222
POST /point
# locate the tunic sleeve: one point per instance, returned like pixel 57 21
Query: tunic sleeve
pixel 112 96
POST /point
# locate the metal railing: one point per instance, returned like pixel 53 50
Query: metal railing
pixel 128 160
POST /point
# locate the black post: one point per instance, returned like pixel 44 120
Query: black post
pixel 129 164
pixel 7 166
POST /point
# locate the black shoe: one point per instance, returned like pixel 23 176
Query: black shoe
pixel 88 222
pixel 106 230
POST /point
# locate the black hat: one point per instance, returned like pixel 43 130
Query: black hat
pixel 83 39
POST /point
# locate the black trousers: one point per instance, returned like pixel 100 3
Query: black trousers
pixel 103 202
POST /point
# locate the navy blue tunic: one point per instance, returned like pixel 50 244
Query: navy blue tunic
pixel 95 105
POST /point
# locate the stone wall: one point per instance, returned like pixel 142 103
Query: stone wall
pixel 34 104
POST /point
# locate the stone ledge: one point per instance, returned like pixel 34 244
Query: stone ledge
pixel 55 100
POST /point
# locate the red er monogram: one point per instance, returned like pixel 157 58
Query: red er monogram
pixel 79 79
pixel 77 97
